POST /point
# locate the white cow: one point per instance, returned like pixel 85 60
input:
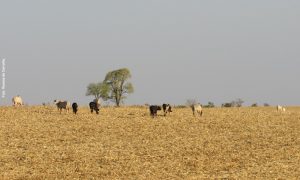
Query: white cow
pixel 17 101
pixel 197 108
pixel 281 108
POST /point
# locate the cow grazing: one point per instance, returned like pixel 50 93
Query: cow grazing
pixel 95 105
pixel 280 108
pixel 62 105
pixel 17 101
pixel 197 108
pixel 167 109
pixel 154 109
pixel 75 108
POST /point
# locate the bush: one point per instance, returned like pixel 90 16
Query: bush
pixel 237 103
pixel 228 105
pixel 254 105
pixel 209 105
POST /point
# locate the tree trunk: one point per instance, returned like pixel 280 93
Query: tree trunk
pixel 117 101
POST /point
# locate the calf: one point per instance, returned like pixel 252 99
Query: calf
pixel 75 108
pixel 197 108
pixel 94 107
pixel 62 105
pixel 167 109
pixel 154 109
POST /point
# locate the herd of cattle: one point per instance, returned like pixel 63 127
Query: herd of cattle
pixel 95 106
pixel 66 105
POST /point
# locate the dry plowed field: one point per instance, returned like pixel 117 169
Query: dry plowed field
pixel 126 143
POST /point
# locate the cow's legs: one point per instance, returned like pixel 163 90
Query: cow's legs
pixel 201 112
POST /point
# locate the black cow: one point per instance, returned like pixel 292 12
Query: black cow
pixel 94 107
pixel 75 108
pixel 167 109
pixel 154 109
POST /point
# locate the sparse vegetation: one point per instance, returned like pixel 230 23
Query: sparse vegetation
pixel 236 103
pixel 209 105
pixel 227 105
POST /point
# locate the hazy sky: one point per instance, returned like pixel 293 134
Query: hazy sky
pixel 208 50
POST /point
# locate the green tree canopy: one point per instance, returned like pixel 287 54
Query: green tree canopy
pixel 98 90
pixel 118 84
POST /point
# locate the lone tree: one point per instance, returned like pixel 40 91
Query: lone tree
pixel 98 90
pixel 119 87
